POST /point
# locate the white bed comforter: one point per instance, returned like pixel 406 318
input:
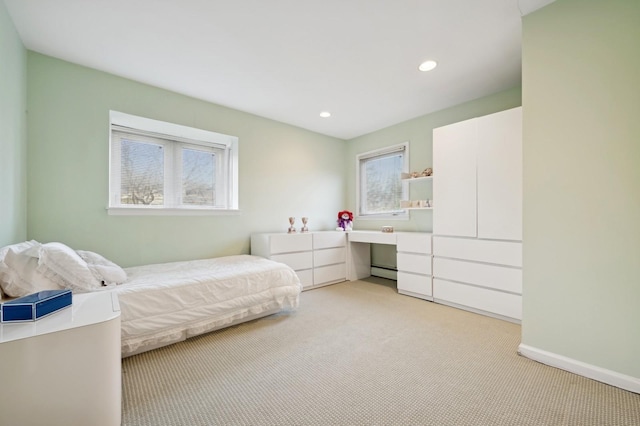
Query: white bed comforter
pixel 165 303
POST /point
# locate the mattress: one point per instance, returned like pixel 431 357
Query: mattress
pixel 165 303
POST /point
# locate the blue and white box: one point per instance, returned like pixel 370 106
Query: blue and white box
pixel 35 306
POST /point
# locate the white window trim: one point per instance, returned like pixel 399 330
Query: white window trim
pixel 163 211
pixel 180 134
pixel 400 214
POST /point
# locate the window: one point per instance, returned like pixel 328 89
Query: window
pixel 163 168
pixel 379 184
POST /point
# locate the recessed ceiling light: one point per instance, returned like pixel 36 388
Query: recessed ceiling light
pixel 428 65
pixel 325 114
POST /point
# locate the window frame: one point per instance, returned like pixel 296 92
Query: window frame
pixel 174 138
pixel 400 214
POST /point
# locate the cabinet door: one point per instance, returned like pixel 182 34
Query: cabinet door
pixel 480 274
pixel 329 256
pixel 331 273
pixel 328 239
pixel 414 242
pixel 414 284
pixel 289 243
pixel 454 179
pixel 297 261
pixel 497 302
pixel 507 253
pixel 500 175
pixel 416 263
pixel 306 278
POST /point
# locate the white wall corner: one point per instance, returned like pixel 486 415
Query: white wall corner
pixel 580 368
pixel 528 6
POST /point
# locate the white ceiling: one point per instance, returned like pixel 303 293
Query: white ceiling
pixel 288 60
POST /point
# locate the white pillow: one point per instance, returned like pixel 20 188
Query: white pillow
pixel 17 247
pixel 21 276
pixel 65 267
pixel 7 275
pixel 103 269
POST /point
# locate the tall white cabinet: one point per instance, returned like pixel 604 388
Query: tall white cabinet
pixel 477 221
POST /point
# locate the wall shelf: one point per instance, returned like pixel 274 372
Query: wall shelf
pixel 406 177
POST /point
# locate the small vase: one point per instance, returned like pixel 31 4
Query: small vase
pixel 292 229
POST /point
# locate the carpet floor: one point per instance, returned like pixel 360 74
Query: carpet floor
pixel 358 353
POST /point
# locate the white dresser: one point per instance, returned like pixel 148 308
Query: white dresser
pixel 64 369
pixel 477 221
pixel 319 258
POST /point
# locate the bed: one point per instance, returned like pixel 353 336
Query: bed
pixel 163 303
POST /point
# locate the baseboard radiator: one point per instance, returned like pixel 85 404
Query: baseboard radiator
pixel 384 272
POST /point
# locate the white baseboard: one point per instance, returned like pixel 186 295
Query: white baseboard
pixel 603 375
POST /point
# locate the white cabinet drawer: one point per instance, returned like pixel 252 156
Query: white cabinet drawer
pixel 376 237
pixel 493 276
pixel 329 239
pixel 414 242
pixel 306 278
pixel 417 263
pixel 287 243
pixel 497 302
pixel 332 273
pixel 329 256
pixel 296 261
pixel 499 252
pixel 416 284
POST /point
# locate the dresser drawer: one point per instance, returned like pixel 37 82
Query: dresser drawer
pixel 414 242
pixel 296 261
pixel 416 263
pixel 499 252
pixel 306 278
pixel 329 256
pixel 288 243
pixel 376 237
pixel 331 273
pixel 413 283
pixel 322 240
pixel 505 304
pixel 492 276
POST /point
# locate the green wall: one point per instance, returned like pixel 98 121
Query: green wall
pixel 418 132
pixel 13 134
pixel 284 171
pixel 581 101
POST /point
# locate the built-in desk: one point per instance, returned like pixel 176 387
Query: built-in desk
pixel 414 259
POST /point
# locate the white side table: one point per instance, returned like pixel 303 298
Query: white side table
pixel 64 369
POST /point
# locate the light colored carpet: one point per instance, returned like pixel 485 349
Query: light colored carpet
pixel 360 354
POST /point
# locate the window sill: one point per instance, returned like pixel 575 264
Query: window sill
pixel 137 211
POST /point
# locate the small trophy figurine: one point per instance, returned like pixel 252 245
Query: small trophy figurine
pixel 304 225
pixel 292 229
